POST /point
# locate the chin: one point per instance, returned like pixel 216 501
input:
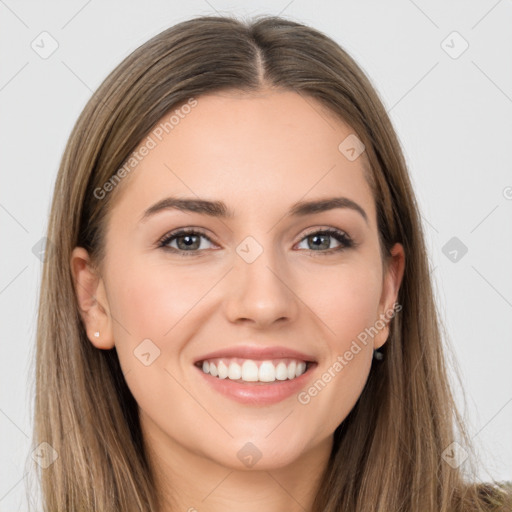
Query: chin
pixel 259 456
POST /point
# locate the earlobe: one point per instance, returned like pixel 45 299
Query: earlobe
pixel 92 300
pixel 391 286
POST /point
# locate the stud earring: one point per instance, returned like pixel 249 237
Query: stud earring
pixel 378 355
pixel 97 334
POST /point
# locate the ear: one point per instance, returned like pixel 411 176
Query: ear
pixel 392 280
pixel 92 300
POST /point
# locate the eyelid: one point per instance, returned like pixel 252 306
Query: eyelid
pixel 323 229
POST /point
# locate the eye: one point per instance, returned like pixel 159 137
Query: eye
pixel 187 240
pixel 320 240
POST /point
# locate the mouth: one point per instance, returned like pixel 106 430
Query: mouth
pixel 254 371
pixel 256 375
pixel 256 382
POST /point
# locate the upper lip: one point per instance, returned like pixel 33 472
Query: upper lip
pixel 257 353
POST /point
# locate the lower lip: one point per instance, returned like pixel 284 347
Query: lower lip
pixel 258 393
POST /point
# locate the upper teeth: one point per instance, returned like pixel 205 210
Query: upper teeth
pixel 254 371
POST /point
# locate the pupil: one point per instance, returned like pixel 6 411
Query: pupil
pixel 319 237
pixel 188 240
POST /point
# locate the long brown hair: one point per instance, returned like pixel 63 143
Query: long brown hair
pixel 388 453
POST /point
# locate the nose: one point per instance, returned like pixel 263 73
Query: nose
pixel 260 293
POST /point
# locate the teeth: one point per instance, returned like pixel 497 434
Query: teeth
pixel 267 372
pixel 254 371
pixel 222 369
pixel 250 371
pixel 291 370
pixel 281 371
pixel 235 371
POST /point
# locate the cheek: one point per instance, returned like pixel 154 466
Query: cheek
pixel 149 304
pixel 335 391
pixel 347 306
pixel 347 301
pixel 150 300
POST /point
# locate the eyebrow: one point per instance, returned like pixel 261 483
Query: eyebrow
pixel 220 210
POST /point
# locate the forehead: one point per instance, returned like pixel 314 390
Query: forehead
pixel 272 147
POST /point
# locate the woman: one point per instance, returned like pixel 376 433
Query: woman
pixel 237 309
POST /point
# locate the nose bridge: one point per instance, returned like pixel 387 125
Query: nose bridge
pixel 258 289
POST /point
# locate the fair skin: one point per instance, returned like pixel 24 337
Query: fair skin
pixel 259 154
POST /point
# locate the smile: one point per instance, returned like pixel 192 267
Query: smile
pixel 265 385
pixel 249 370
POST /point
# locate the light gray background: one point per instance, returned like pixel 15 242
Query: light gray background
pixel 453 117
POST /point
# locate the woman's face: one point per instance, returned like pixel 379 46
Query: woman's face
pixel 265 284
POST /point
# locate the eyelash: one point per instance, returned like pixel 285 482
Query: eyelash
pixel 345 241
